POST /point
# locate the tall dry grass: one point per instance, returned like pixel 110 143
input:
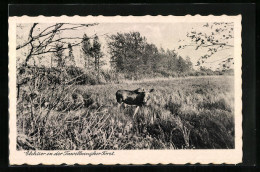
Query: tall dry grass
pixel 185 113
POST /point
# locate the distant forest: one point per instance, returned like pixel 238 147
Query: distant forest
pixel 131 58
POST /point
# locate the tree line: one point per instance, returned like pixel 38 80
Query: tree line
pixel 133 56
pixel 130 55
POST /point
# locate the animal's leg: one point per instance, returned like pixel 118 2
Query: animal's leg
pixel 119 106
pixel 136 110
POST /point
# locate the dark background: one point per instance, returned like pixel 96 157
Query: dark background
pixel 250 95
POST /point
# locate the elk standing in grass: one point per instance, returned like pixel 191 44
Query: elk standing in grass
pixel 138 97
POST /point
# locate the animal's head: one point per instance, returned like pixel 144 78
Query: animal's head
pixel 139 90
pixel 146 96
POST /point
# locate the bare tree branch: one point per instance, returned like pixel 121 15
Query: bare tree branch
pixel 38 46
pixel 57 29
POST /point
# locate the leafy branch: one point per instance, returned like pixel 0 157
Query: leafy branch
pixel 212 37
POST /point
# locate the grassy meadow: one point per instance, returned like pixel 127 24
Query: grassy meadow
pixel 183 113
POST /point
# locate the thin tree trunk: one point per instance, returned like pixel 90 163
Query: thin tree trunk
pixel 88 61
pixel 98 65
pixel 85 63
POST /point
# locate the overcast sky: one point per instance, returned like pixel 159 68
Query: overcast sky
pixel 165 35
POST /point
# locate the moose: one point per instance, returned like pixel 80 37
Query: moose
pixel 138 97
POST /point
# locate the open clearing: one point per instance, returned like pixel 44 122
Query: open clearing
pixel 183 113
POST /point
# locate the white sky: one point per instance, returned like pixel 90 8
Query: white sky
pixel 162 35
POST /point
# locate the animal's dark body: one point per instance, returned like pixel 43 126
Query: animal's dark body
pixel 130 97
pixel 137 97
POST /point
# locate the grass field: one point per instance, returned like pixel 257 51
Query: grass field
pixel 183 113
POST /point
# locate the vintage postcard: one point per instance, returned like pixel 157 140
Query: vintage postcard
pixel 125 90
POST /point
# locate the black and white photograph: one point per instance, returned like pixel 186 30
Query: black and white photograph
pixel 135 84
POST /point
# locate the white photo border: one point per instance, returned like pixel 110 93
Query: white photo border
pixel 125 157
